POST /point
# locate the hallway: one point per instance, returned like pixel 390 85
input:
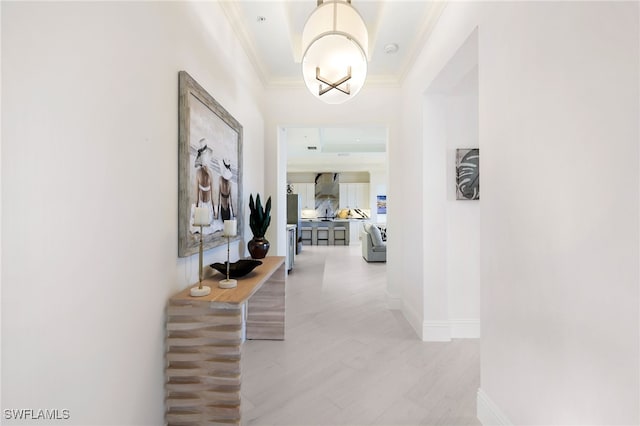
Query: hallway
pixel 347 359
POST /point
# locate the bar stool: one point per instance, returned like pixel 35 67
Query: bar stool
pixel 340 236
pixel 306 235
pixel 323 236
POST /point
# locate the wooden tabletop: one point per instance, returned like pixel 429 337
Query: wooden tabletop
pixel 247 285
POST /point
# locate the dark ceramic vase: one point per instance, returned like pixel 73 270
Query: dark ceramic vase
pixel 258 247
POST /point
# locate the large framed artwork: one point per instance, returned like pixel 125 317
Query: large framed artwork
pixel 468 174
pixel 210 167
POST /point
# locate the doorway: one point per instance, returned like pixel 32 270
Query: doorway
pixel 451 293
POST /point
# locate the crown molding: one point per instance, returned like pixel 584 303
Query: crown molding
pixel 234 14
pixel 429 23
pixel 232 11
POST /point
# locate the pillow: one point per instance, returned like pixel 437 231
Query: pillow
pixel 376 237
pixel 383 232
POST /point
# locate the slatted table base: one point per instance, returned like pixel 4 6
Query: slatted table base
pixel 266 309
pixel 203 364
pixel 204 339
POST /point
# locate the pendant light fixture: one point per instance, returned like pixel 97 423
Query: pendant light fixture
pixel 335 43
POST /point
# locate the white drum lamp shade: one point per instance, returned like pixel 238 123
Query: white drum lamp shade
pixel 335 42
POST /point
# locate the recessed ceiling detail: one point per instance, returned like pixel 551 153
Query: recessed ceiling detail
pixel 336 148
pixel 275 46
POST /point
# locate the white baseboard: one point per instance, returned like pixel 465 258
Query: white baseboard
pixel 488 412
pixel 444 331
pixel 468 328
pixel 436 331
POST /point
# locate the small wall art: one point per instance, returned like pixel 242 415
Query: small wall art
pixel 209 167
pixel 467 174
pixel 381 204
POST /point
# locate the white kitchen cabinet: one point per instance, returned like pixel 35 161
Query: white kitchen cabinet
pixel 307 192
pixel 347 196
pixel 362 196
pixel 342 192
pixel 354 195
pixel 310 201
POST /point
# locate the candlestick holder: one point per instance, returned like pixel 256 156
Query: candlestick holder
pixel 200 290
pixel 230 230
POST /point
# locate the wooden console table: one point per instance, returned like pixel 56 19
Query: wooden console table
pixel 204 338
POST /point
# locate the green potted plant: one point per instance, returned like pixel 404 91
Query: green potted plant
pixel 259 220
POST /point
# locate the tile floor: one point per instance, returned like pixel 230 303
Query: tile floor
pixel 349 360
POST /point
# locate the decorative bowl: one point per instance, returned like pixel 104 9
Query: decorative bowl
pixel 237 269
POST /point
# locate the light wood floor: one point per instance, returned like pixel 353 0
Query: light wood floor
pixel 348 360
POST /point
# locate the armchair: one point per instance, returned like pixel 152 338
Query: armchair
pixel 373 248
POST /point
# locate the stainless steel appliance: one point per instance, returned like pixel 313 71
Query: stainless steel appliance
pixel 293 217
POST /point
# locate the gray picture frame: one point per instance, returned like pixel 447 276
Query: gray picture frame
pixel 209 167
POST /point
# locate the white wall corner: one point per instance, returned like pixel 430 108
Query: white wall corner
pixel 436 331
pixel 394 302
pixel 488 412
pixel 467 328
pixel 413 318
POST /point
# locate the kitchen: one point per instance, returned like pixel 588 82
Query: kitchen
pixel 350 164
pixel 328 208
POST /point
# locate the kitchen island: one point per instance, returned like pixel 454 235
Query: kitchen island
pixel 310 227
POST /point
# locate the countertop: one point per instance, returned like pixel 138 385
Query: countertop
pixel 247 285
pixel 334 220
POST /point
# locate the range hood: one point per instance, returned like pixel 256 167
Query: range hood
pixel 327 194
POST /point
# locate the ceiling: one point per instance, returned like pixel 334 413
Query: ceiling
pixel 271 33
pixel 336 149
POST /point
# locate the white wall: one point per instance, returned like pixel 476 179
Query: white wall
pixel 558 130
pixel 355 177
pixel 452 242
pixel 1 273
pixel 89 191
pixel 301 177
pixel 463 217
pixel 560 237
pixel 435 293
